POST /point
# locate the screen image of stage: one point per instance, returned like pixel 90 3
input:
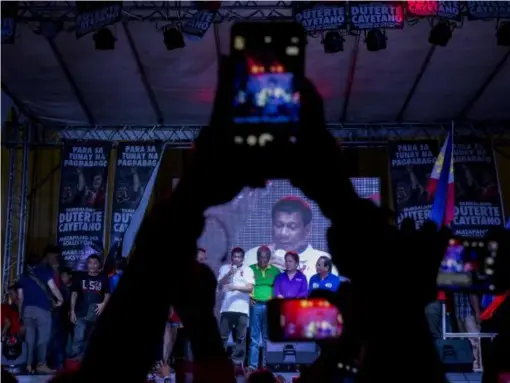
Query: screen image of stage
pixel 247 221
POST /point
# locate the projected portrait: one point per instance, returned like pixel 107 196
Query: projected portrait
pixel 279 216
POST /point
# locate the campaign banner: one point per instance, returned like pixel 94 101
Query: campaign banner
pixel 94 15
pixel 128 240
pixel 82 202
pixel 450 10
pixel 320 16
pixel 411 163
pixel 198 24
pixel 483 10
pixel 365 15
pixel 9 15
pixel 135 164
pixel 478 206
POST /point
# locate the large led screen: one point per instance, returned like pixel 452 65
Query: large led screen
pixel 279 216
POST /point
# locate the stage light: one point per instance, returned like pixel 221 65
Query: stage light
pixel 440 34
pixel 333 42
pixel 375 40
pixel 173 39
pixel 279 69
pixel 503 34
pixel 104 40
pixel 254 69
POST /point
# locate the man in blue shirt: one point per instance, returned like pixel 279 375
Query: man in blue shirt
pixel 324 279
pixel 120 266
pixel 38 295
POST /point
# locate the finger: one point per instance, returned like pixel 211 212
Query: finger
pixel 429 228
pixel 408 226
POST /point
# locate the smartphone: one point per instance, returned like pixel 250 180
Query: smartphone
pixel 468 265
pixel 268 67
pixel 303 320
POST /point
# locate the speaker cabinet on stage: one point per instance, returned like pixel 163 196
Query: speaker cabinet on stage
pixel 280 354
pixel 456 354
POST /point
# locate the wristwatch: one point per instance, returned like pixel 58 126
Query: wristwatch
pixel 167 379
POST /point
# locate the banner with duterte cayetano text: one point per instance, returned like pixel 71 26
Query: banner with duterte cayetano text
pixel 411 163
pixel 135 164
pixel 82 201
pixel 478 206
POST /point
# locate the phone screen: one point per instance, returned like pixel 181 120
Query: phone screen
pixel 314 318
pixel 467 265
pixel 267 66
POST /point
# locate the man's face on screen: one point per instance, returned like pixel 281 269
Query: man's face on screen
pixel 289 232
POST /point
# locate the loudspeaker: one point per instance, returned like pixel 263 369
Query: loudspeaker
pixel 456 354
pixel 291 353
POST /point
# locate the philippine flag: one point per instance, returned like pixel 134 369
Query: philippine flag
pixel 441 185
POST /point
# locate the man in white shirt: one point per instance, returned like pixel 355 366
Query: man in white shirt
pixel 235 283
pixel 291 224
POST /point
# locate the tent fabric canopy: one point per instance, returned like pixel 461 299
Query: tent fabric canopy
pixel 183 81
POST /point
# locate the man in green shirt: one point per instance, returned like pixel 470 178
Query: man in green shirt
pixel 265 275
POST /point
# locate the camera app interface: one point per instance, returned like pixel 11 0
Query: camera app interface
pixel 310 319
pixel 467 264
pixel 264 81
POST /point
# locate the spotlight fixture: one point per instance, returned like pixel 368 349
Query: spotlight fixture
pixel 375 40
pixel 440 34
pixel 173 39
pixel 333 42
pixel 104 40
pixel 503 34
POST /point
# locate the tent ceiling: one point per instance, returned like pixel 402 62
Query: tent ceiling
pixel 183 81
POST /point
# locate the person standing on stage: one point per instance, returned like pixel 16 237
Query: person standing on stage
pixel 38 295
pixel 265 275
pixel 324 280
pixel 120 266
pixel 235 281
pixel 291 283
pixel 291 219
pixel 90 294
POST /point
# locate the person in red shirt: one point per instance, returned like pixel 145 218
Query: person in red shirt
pixel 173 324
pixel 11 323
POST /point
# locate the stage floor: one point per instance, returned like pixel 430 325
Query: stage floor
pixel 453 378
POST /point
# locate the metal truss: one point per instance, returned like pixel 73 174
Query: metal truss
pixel 160 11
pixel 16 211
pixel 182 136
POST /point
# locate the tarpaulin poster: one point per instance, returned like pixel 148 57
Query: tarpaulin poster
pixel 411 163
pixel 320 16
pixel 368 15
pixel 480 10
pixel 450 10
pixel 133 169
pixel 200 22
pixel 478 205
pixel 82 202
pixel 94 15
